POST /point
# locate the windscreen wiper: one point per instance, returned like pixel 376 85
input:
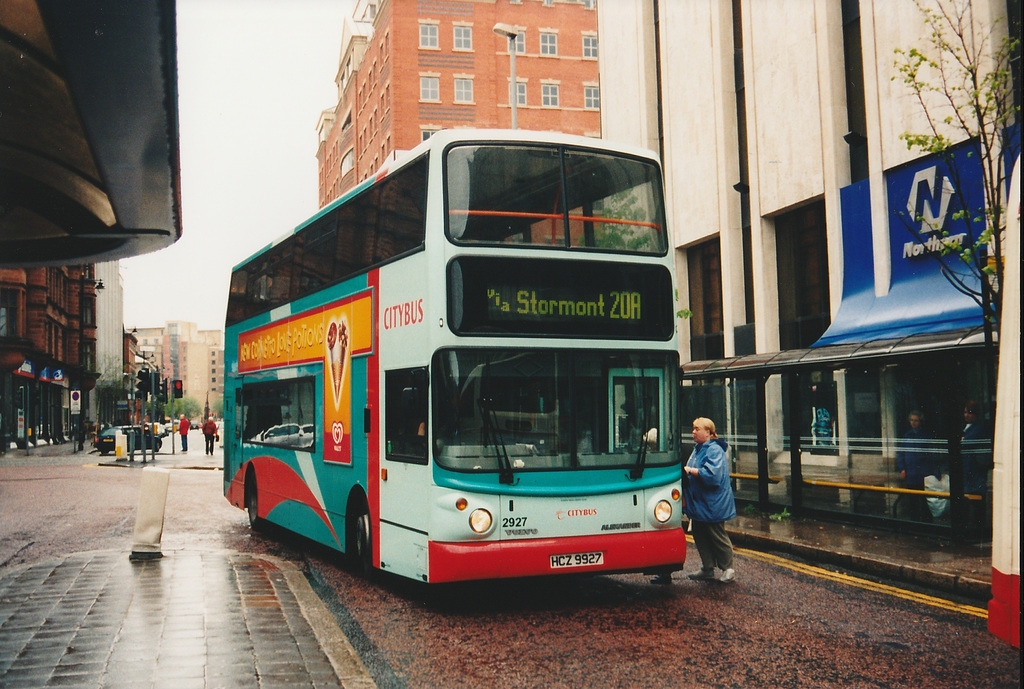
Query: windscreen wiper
pixel 493 438
pixel 637 471
pixel 641 459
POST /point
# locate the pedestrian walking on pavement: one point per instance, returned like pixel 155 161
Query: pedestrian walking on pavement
pixel 183 427
pixel 709 504
pixel 209 433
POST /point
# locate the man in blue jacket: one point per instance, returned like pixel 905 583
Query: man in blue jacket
pixel 709 503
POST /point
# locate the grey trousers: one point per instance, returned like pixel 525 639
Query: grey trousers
pixel 713 545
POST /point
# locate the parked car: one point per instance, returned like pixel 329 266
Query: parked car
pixel 106 442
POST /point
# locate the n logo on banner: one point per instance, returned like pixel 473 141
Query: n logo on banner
pixel 922 206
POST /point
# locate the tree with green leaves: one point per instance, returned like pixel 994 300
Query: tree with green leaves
pixel 189 406
pixel 962 80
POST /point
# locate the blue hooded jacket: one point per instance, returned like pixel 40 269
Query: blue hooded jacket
pixel 709 494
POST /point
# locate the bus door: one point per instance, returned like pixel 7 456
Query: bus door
pixel 405 476
pixel 637 407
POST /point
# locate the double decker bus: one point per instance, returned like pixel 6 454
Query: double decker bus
pixel 466 367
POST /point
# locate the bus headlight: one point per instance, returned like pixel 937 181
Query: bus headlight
pixel 663 511
pixel 480 520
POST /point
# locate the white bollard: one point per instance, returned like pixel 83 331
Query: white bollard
pixel 149 521
pixel 120 445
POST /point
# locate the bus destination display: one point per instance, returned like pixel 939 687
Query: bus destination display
pixel 551 297
pixel 508 302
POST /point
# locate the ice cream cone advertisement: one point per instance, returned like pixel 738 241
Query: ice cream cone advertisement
pixel 334 335
pixel 348 333
pixel 337 356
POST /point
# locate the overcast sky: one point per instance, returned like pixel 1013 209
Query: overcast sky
pixel 253 76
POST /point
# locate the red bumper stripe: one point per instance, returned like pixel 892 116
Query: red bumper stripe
pixel 505 559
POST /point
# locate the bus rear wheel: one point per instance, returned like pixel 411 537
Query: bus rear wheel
pixel 364 543
pixel 251 500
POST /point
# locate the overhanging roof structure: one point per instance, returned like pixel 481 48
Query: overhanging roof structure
pixel 835 356
pixel 89 148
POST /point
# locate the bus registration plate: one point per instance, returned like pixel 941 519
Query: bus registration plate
pixel 577 560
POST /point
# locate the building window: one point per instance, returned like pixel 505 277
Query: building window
pixel 348 162
pixel 8 313
pixel 549 95
pixel 802 250
pixel 704 268
pixel 591 97
pixel 463 90
pixel 549 44
pixel 590 47
pixel 463 38
pixel 521 43
pixel 589 4
pixel 427 133
pixel 430 88
pixel 520 93
pixel 428 36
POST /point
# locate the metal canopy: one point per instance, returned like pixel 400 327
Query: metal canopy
pixel 834 356
pixel 89 166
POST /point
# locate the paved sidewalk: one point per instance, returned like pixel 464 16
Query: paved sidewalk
pixel 189 619
pixel 961 568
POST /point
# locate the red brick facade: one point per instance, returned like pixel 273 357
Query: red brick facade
pixel 47 344
pixel 424 65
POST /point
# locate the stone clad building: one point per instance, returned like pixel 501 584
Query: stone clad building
pixel 821 318
pixel 842 353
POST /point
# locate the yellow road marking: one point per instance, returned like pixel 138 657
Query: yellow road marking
pixel 865 584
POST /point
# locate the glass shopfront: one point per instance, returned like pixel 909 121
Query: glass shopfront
pixel 883 434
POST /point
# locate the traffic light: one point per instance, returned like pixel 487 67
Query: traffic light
pixel 142 384
pixel 162 394
pixel 178 388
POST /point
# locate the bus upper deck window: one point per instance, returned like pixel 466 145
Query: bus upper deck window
pixel 548 196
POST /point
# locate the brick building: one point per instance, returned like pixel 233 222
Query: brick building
pixel 409 68
pixel 47 350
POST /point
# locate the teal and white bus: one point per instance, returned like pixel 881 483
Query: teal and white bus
pixel 467 368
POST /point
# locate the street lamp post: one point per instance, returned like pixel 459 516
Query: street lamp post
pixel 510 32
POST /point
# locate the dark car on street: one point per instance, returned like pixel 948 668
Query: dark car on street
pixel 105 442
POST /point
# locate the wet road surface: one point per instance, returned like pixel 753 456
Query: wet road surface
pixel 775 627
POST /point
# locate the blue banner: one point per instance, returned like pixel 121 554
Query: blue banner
pixel 927 227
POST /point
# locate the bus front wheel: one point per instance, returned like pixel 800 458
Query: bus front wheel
pixel 364 543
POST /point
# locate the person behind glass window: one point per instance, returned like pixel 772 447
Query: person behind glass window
pixel 976 449
pixel 916 459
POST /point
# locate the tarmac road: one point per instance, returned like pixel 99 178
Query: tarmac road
pixel 776 626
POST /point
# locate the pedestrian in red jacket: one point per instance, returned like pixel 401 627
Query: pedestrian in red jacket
pixel 183 427
pixel 209 433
